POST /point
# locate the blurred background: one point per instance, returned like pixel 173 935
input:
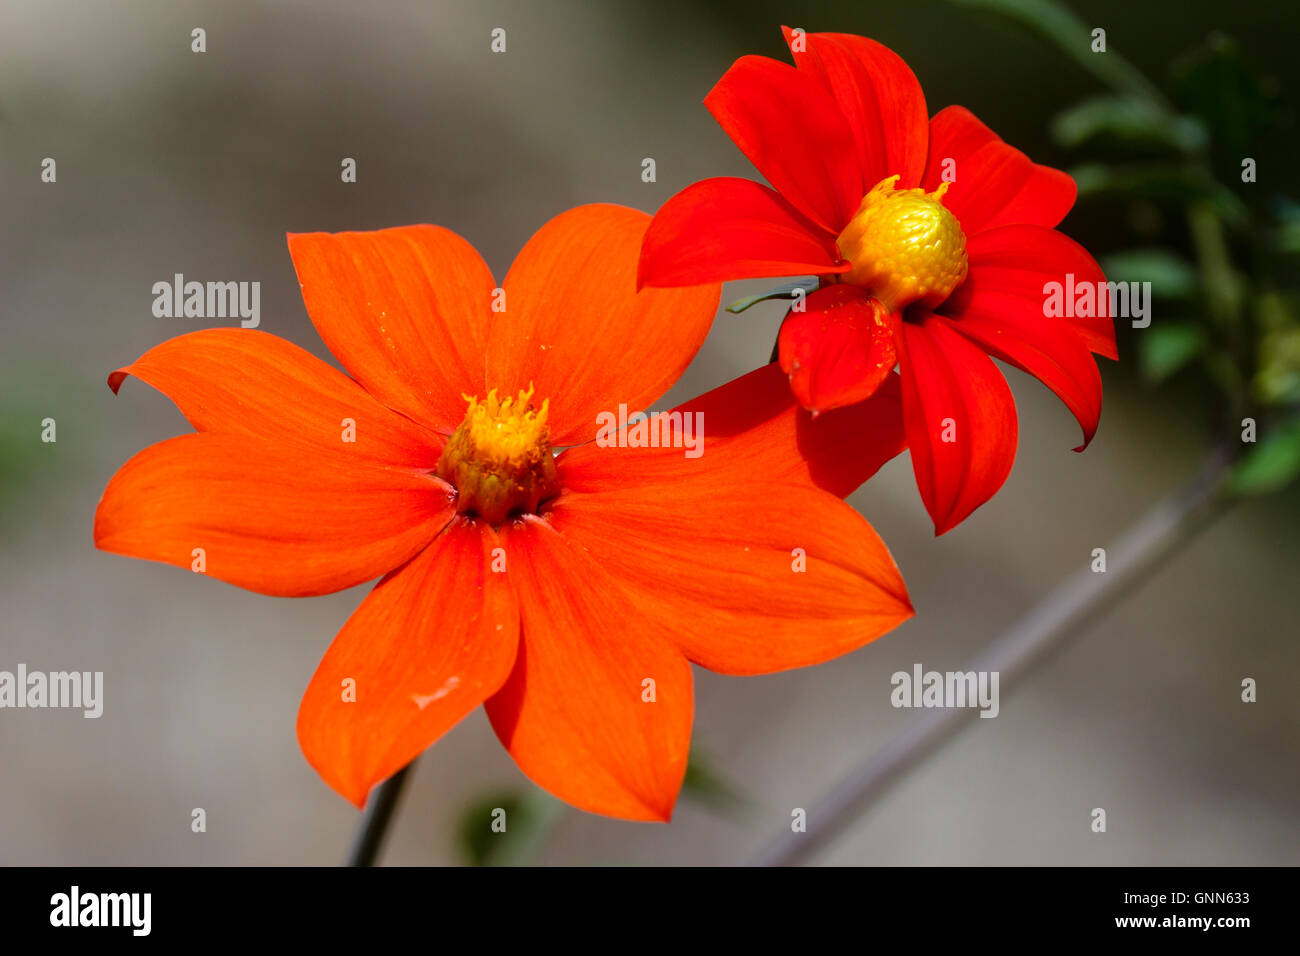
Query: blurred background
pixel 170 161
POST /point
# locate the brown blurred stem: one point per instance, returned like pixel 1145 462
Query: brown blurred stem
pixel 374 823
pixel 1075 605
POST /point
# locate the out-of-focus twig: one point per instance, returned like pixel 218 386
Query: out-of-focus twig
pixel 1074 605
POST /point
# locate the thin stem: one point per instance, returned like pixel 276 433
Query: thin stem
pixel 1074 605
pixel 378 814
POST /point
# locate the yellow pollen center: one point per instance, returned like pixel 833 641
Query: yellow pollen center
pixel 500 458
pixel 904 246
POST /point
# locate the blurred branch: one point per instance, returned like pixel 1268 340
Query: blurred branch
pixel 1072 607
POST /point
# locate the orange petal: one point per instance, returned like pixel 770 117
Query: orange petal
pixel 754 430
pixel 598 709
pixel 269 518
pixel 576 327
pixel 745 578
pixel 405 310
pixel 430 643
pixel 245 382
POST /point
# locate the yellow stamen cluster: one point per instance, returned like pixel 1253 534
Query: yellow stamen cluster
pixel 500 458
pixel 904 246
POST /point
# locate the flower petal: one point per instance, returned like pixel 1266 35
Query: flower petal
pixel 995 184
pixel 577 713
pixel 838 349
pixel 576 327
pixel 751 427
pixel 879 98
pixel 788 125
pixel 430 643
pixel 246 382
pixel 1045 348
pixel 760 578
pixel 727 228
pixel 406 311
pixel 269 518
pixel 960 417
pixel 1015 267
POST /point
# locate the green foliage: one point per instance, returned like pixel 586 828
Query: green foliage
pixel 1272 464
pixel 1128 121
pixel 23 455
pixel 1286 235
pixel 20 446
pixel 1160 181
pixel 1278 379
pixel 1232 269
pixel 1171 276
pixel 1215 85
pixel 1168 346
pixel 506 828
pixel 511 827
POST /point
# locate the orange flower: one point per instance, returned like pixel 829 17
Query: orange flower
pixel 566 593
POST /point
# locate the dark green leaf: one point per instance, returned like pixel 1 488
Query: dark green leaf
pixel 1215 84
pixel 1128 120
pixel 1170 275
pixel 1157 181
pixel 1287 233
pixel 1278 379
pixel 522 822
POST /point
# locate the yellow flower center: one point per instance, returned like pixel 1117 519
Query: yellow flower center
pixel 904 246
pixel 500 458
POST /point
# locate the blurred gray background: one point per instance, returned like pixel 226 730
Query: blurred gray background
pixel 169 161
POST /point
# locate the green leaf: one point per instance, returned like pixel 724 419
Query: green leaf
pixel 1167 347
pixel 1278 379
pixel 1171 276
pixel 1272 464
pixel 1158 181
pixel 1214 83
pixel 507 827
pixel 782 292
pixel 1128 119
pixel 1286 235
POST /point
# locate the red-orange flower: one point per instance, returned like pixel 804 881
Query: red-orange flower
pixel 566 593
pixel 934 241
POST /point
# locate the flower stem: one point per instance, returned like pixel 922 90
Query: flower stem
pixel 1069 609
pixel 374 824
